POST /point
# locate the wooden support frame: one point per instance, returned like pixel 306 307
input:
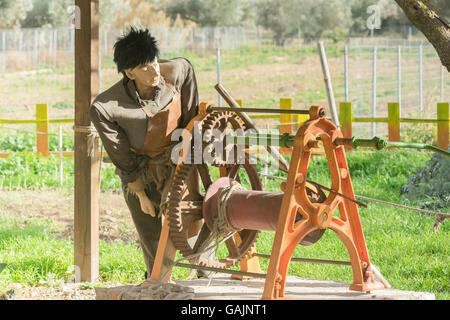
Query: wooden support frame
pixel 86 206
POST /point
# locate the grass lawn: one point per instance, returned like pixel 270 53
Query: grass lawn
pixel 400 242
pixel 39 249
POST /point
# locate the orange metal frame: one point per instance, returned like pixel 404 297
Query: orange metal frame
pixel 318 215
pixel 289 233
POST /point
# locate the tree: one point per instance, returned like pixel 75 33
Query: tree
pixel 208 13
pixel 140 12
pixel 12 11
pixel 284 17
pixel 435 27
pixel 38 16
pixel 388 11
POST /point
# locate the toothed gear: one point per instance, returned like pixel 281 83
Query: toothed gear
pixel 181 218
pixel 179 224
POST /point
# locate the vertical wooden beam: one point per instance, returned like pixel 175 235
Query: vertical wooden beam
pixel 86 210
pixel 394 122
pixel 443 114
pixel 42 129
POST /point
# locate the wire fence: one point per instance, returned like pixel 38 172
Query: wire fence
pixel 370 72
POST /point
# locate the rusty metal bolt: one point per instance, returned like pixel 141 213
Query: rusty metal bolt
pixel 313 144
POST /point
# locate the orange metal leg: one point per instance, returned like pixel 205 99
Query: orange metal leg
pixel 164 256
pixel 318 215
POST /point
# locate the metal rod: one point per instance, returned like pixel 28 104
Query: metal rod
pixel 219 270
pixel 328 85
pixel 258 110
pixel 250 124
pixel 314 183
pixel 273 140
pixel 344 263
pixel 258 275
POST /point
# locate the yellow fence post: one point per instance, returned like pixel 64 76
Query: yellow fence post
pixel 443 114
pixel 345 119
pixel 42 129
pixel 302 118
pixel 394 121
pixel 285 121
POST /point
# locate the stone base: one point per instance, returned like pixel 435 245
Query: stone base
pixel 148 290
pixel 224 288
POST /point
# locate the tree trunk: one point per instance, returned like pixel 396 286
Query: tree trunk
pixel 425 17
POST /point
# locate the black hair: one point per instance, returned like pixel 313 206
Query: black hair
pixel 135 48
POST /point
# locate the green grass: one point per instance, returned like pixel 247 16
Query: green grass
pixel 400 242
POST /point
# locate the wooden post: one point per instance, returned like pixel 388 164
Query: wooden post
pixel 42 129
pixel 394 121
pixel 346 118
pixel 443 126
pixel 285 122
pixel 86 206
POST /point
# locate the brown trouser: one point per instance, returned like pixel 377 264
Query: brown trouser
pixel 148 227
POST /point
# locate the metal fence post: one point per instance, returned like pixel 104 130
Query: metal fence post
pixel 442 83
pixel 36 47
pixel 374 89
pixel 346 73
pixel 219 80
pixel 299 38
pixel 4 50
pixel 55 46
pixel 99 69
pixel 105 41
pixel 50 46
pixel 60 149
pixel 420 79
pixel 72 40
pixel 399 78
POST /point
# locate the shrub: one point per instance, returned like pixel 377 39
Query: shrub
pixel 430 187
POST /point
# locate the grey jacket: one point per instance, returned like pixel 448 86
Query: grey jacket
pixel 122 124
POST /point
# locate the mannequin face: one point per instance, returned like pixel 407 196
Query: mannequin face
pixel 146 75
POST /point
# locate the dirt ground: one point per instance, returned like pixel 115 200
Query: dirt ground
pixel 115 224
